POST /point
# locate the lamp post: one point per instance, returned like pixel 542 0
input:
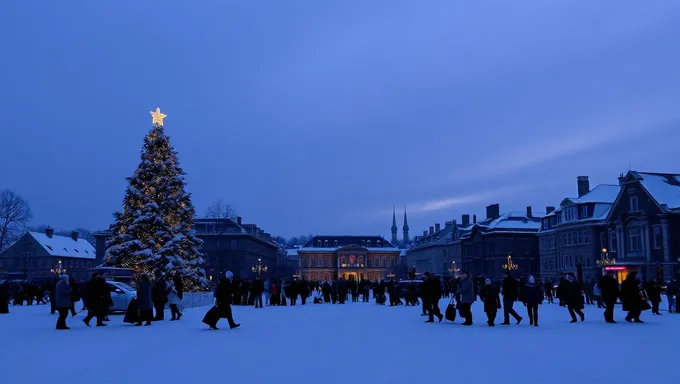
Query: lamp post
pixel 510 266
pixel 58 269
pixel 605 261
pixel 259 268
pixel 453 269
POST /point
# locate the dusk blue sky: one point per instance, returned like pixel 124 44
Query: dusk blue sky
pixel 319 116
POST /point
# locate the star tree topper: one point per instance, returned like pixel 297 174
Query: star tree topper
pixel 157 117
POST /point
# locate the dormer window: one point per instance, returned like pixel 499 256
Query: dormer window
pixel 584 211
pixel 335 243
pixel 363 243
pixel 325 243
pixel 318 243
pixel 378 243
pixel 368 243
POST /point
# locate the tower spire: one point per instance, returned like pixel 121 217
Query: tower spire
pixel 394 240
pixel 405 229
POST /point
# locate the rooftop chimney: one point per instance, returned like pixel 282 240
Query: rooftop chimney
pixel 549 209
pixel 529 214
pixel 621 178
pixel 583 185
pixel 238 220
pixel 431 230
pixel 466 220
pixel 74 235
pixel 493 211
pixel 437 227
pixel 425 233
pixel 474 218
pixel 49 232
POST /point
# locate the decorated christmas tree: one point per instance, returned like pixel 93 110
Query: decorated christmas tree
pixel 154 230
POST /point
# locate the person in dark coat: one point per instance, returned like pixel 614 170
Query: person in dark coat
pixel 562 291
pixel 631 299
pixel 574 298
pixel 145 302
pixel 492 301
pixel 433 292
pixel 257 291
pixel 4 297
pixel 342 290
pixel 533 297
pixel 223 297
pixel 303 287
pixel 549 291
pixel 466 296
pixel 62 301
pixel 510 295
pixel 159 296
pixel 96 305
pixel 654 290
pixel 609 291
pixel 75 294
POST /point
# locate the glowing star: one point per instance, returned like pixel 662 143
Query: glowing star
pixel 157 117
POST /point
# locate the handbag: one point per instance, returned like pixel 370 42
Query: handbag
pixel 450 312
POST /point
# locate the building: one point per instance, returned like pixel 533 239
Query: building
pixel 433 251
pixel 405 240
pixel 485 246
pixel 643 226
pixel 227 245
pixel 350 257
pixel 573 236
pixel 39 255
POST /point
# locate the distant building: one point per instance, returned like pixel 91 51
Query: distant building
pixel 573 236
pixel 350 257
pixel 486 245
pixel 227 245
pixel 434 251
pixel 39 255
pixel 643 226
pixel 405 240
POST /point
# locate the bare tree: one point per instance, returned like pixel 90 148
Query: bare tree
pixel 14 215
pixel 220 210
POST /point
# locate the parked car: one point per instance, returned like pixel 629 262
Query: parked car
pixel 121 294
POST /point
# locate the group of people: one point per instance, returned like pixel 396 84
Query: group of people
pixel 634 295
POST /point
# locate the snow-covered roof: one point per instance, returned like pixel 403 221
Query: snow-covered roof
pixel 291 252
pixel 333 249
pixel 603 193
pixel 664 188
pixel 65 246
pixel 514 220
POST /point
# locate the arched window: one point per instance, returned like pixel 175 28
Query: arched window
pixel 378 243
pixel 335 243
pixel 325 243
pixel 318 243
pixel 368 243
pixel 363 243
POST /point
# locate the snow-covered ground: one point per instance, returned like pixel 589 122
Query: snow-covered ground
pixel 355 343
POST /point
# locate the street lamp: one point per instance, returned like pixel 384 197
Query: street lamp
pixel 259 268
pixel 453 269
pixel 510 265
pixel 605 261
pixel 58 269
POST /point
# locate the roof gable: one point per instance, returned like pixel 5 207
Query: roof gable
pixel 663 188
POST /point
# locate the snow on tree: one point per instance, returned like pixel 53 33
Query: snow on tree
pixel 154 230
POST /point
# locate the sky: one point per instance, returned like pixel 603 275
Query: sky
pixel 321 116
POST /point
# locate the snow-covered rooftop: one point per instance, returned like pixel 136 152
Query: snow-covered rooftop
pixel 603 193
pixel 65 246
pixel 333 249
pixel 514 220
pixel 665 189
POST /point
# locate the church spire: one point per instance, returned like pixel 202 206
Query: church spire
pixel 405 228
pixel 394 240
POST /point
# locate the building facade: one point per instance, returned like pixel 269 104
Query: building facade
pixel 573 237
pixel 485 246
pixel 350 257
pixel 434 251
pixel 227 245
pixel 643 226
pixel 41 256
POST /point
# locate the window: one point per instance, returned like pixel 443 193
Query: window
pixel 318 243
pixel 635 239
pixel 584 211
pixel 570 238
pixel 49 247
pixel 335 243
pixel 657 236
pixel 633 203
pixel 612 241
pixel 368 243
pixel 564 239
pixel 378 243
pixel 325 243
pixel 579 234
pixel 586 237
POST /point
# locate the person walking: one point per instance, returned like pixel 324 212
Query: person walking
pixel 62 301
pixel 631 298
pixel 267 292
pixel 671 290
pixel 223 298
pixel 432 293
pixel 492 301
pixel 574 298
pixel 145 302
pixel 466 296
pixel 609 291
pixel 257 291
pixel 510 295
pixel 159 295
pixel 175 294
pixel 533 297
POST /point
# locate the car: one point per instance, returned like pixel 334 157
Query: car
pixel 121 295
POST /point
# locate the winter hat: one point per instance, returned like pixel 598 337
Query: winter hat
pixel 487 281
pixel 229 275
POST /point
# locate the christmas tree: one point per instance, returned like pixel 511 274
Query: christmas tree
pixel 154 230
